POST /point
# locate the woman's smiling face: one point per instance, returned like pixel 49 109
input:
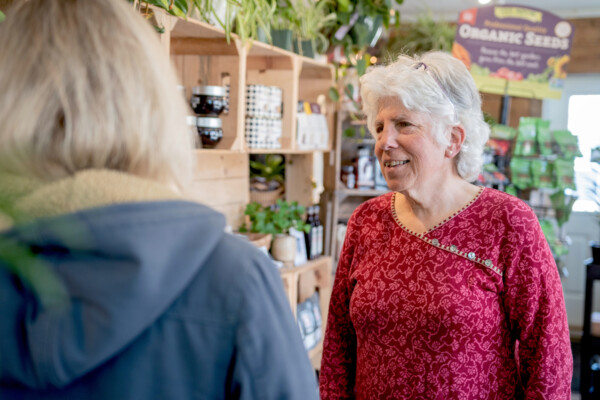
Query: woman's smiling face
pixel 409 155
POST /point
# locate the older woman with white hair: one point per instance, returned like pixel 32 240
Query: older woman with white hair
pixel 112 284
pixel 444 290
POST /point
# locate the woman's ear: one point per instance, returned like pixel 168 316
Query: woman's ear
pixel 457 138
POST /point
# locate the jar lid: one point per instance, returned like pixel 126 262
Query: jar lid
pixel 190 120
pixel 209 90
pixel 206 122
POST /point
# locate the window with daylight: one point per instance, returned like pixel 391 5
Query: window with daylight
pixel 583 123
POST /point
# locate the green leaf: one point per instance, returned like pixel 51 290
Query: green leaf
pixel 349 91
pixel 2 16
pixel 361 66
pixel 334 95
pixel 349 132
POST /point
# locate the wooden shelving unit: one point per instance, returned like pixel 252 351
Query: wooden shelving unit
pixel 202 55
pixel 300 283
pixel 339 202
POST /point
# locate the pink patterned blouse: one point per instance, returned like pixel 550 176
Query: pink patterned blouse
pixel 472 309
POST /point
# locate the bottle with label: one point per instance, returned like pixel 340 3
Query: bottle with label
pixel 314 235
pixel 319 231
pixel 308 236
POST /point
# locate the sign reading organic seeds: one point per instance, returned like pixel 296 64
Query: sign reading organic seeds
pixel 514 50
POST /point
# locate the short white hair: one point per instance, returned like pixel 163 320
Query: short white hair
pixel 85 84
pixel 449 96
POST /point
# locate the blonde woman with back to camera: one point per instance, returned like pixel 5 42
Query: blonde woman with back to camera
pixel 444 290
pixel 122 289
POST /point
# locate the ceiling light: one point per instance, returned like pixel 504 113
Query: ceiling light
pixel 484 1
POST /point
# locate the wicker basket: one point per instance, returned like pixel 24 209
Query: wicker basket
pixel 265 198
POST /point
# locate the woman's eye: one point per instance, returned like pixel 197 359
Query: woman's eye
pixel 378 128
pixel 403 124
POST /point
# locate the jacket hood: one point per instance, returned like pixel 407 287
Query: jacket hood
pixel 121 267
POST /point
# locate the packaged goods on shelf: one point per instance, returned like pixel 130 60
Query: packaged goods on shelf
pixel 263 101
pixel 309 321
pixel 312 132
pixel 263 133
pixel 263 117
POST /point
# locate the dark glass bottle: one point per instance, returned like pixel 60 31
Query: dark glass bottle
pixel 309 236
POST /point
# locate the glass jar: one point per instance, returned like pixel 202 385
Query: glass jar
pixel 208 100
pixel 209 131
pixel 192 123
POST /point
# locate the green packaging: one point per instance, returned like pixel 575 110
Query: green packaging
pixel 544 137
pixel 562 205
pixel 520 173
pixel 504 132
pixel 567 144
pixel 541 174
pixel 525 144
pixel 564 172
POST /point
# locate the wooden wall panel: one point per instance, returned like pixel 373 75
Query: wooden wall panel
pixel 221 182
pixel 585 51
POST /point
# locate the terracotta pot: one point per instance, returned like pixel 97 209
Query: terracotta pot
pixel 284 249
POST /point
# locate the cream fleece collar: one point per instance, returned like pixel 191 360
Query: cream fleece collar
pixel 33 199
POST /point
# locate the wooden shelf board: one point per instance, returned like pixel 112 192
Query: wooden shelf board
pixel 200 152
pixel 316 353
pixel 197 29
pixel 285 151
pixel 310 264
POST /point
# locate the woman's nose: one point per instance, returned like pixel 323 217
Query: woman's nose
pixel 387 138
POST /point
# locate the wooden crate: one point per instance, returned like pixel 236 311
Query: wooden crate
pixel 300 283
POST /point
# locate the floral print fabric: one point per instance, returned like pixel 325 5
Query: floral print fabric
pixel 472 309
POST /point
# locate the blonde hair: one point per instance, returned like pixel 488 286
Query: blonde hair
pixel 441 86
pixel 85 84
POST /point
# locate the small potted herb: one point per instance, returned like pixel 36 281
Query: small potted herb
pixel 277 220
pixel 266 178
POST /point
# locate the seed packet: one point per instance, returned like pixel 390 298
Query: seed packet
pixel 562 205
pixel 567 143
pixel 564 173
pixel 544 137
pixel 557 247
pixel 502 132
pixel 541 174
pixel 520 174
pixel 525 144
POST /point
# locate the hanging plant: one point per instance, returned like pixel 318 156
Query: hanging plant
pixel 424 35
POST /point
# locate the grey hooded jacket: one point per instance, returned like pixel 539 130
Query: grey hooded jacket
pixel 161 304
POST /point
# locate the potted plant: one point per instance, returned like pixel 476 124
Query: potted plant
pixel 266 178
pixel 253 16
pixel 277 220
pixel 313 19
pixel 423 35
pixel 284 18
